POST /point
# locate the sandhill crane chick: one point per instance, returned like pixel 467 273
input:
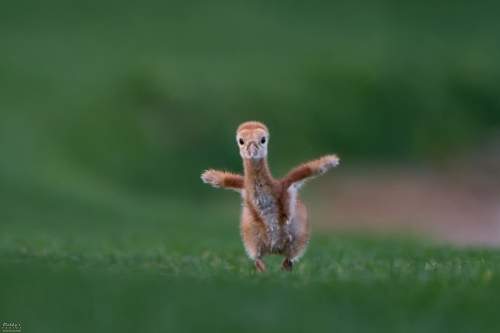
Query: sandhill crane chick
pixel 274 220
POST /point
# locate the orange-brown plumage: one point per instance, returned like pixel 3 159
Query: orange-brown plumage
pixel 251 125
pixel 273 220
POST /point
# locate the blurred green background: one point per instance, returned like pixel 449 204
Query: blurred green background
pixel 140 93
pixel 110 110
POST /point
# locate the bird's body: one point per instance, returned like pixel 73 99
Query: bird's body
pixel 273 220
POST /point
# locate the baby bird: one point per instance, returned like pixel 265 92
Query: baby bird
pixel 274 220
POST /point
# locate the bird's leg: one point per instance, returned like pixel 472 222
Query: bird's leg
pixel 286 265
pixel 259 264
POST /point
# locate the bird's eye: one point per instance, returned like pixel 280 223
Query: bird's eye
pixel 263 140
pixel 242 142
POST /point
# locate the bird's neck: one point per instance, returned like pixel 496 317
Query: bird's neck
pixel 257 171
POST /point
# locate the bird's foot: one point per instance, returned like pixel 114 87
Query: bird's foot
pixel 286 265
pixel 259 264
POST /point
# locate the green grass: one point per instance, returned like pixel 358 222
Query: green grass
pixel 109 111
pixel 130 262
pixel 345 284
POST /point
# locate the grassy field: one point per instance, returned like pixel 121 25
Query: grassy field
pixel 135 263
pixel 341 285
pixel 109 112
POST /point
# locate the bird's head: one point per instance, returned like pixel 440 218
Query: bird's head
pixel 252 138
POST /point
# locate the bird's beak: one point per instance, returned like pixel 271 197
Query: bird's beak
pixel 252 149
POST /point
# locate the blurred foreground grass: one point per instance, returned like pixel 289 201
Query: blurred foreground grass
pixel 135 263
pixel 344 284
